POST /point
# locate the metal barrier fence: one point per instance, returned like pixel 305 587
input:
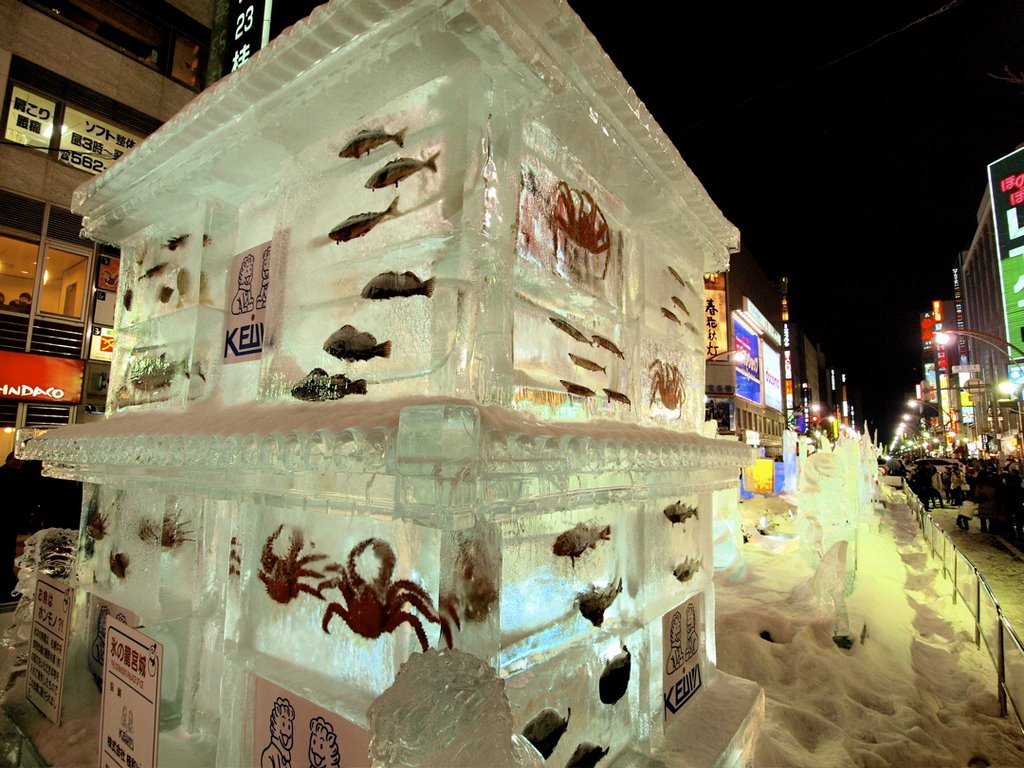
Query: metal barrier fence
pixel 991 627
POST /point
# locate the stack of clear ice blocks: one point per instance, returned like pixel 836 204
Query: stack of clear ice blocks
pixel 409 354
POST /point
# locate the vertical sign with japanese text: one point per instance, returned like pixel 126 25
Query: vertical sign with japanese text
pixel 682 635
pixel 130 710
pixel 248 30
pixel 48 653
pixel 1006 188
pixel 248 286
pixel 716 329
pixel 29 119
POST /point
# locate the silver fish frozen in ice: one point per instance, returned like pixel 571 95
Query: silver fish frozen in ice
pixel 367 141
pixel 396 170
pixel 361 223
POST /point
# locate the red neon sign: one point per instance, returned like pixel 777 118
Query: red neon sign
pixel 41 378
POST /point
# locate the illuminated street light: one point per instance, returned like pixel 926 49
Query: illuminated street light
pixel 1009 388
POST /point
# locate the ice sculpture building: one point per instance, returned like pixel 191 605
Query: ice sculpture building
pixel 410 354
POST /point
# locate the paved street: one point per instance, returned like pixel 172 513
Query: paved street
pixel 1000 561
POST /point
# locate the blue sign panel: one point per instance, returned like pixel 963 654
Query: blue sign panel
pixel 748 370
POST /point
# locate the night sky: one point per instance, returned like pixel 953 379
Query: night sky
pixel 849 145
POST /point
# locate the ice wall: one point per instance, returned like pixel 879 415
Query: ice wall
pixel 408 356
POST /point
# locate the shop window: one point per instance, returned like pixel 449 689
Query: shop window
pixel 18 260
pixel 189 62
pixel 64 283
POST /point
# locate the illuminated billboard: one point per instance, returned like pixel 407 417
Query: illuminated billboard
pixel 772 378
pixel 1006 188
pixel 748 370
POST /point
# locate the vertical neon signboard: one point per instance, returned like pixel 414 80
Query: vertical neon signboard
pixel 1006 188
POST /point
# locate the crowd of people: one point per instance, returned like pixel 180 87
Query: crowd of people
pixel 994 488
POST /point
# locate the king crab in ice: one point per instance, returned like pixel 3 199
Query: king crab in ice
pixel 282 575
pixel 667 384
pixel 372 608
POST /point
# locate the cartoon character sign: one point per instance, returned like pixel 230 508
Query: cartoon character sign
pixel 278 753
pixel 243 302
pixel 261 297
pixel 323 745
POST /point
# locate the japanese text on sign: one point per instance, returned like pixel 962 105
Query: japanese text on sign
pixel 48 651
pixel 130 712
pixel 92 144
pixel 29 119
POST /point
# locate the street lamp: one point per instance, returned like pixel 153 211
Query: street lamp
pixel 945 417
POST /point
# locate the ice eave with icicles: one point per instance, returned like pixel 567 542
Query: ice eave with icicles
pixel 547 39
pixel 325 450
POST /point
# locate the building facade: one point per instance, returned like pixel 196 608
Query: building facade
pixel 84 82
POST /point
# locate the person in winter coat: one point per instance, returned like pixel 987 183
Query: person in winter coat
pixel 985 492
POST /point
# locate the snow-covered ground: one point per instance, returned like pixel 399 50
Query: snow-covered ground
pixel 914 689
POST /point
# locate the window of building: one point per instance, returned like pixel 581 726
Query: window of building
pixel 18 260
pixel 63 288
pixel 153 33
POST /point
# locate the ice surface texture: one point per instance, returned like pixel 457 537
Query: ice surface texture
pixel 479 257
pixel 446 708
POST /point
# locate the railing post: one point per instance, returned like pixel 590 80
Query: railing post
pixel 1000 664
pixel 956 565
pixel 977 608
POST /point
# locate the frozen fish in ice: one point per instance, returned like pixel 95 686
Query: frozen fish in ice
pixel 391 285
pixel 574 542
pixel 127 300
pixel 318 385
pixel 678 277
pixel 361 223
pixel 349 343
pixel 670 315
pixel 399 169
pixel 561 325
pixel 367 141
pixel 617 397
pixel 165 294
pixel 608 344
pixel 576 389
pixel 545 731
pixel 687 569
pixel 150 374
pixel 587 755
pixel 155 271
pixel 176 242
pixel 679 303
pixel 594 602
pixel 678 512
pixel 615 678
pixel 586 364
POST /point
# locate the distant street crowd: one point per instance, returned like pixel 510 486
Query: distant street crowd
pixel 995 489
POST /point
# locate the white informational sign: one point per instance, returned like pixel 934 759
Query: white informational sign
pixel 287 729
pixel 682 631
pixel 248 285
pixel 130 712
pixel 51 617
pixel 91 143
pixel 29 119
pixel 100 612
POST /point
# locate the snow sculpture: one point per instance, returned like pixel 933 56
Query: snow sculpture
pixel 408 357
